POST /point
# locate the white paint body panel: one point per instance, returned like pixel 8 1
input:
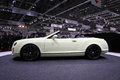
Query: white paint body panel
pixel 60 47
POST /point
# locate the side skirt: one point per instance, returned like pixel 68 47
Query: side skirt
pixel 62 54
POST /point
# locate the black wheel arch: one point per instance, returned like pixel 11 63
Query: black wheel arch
pixel 94 45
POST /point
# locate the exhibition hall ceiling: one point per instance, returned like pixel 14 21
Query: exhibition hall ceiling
pixel 44 12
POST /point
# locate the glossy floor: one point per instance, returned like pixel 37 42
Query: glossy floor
pixel 72 68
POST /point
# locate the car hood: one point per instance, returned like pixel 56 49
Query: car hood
pixel 30 39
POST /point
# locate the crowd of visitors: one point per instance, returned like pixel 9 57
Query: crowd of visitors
pixel 7 39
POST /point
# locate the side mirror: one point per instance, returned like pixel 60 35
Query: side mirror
pixel 55 36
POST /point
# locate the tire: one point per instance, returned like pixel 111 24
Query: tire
pixel 30 52
pixel 93 52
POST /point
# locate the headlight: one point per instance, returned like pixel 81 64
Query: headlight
pixel 15 43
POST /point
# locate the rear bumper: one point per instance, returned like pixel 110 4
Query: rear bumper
pixel 104 51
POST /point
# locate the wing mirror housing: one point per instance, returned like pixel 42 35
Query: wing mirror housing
pixel 55 36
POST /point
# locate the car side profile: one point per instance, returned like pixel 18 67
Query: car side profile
pixel 54 46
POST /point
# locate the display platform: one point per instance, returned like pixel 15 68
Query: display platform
pixel 10 53
pixel 5 53
pixel 72 68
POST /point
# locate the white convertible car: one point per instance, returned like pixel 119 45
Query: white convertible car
pixel 54 46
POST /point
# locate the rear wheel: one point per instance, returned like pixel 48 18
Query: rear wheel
pixel 93 52
pixel 30 52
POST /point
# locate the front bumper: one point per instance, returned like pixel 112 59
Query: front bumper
pixel 15 51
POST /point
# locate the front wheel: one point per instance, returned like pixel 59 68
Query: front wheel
pixel 30 52
pixel 93 52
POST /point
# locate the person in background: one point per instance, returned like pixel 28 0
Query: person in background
pixel 14 37
pixel 36 35
pixel 10 40
pixel 18 36
pixel 27 36
pixel 79 35
pixel 4 42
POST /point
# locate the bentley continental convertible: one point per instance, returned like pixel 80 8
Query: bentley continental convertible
pixel 55 46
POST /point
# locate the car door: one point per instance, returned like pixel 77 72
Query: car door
pixel 60 45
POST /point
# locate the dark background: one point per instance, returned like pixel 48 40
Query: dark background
pixel 113 40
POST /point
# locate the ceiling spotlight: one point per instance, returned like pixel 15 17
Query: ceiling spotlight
pixel 21 26
pixel 35 20
pixel 13 1
pixel 117 10
pixel 104 5
pixel 33 7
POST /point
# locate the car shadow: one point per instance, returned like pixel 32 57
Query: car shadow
pixel 18 59
pixel 58 58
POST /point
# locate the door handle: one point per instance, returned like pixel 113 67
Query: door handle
pixel 74 41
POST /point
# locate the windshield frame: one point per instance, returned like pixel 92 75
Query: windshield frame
pixel 52 34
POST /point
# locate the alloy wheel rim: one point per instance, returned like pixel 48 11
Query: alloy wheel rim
pixel 30 52
pixel 94 51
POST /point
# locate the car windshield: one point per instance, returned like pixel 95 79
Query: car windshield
pixel 66 34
